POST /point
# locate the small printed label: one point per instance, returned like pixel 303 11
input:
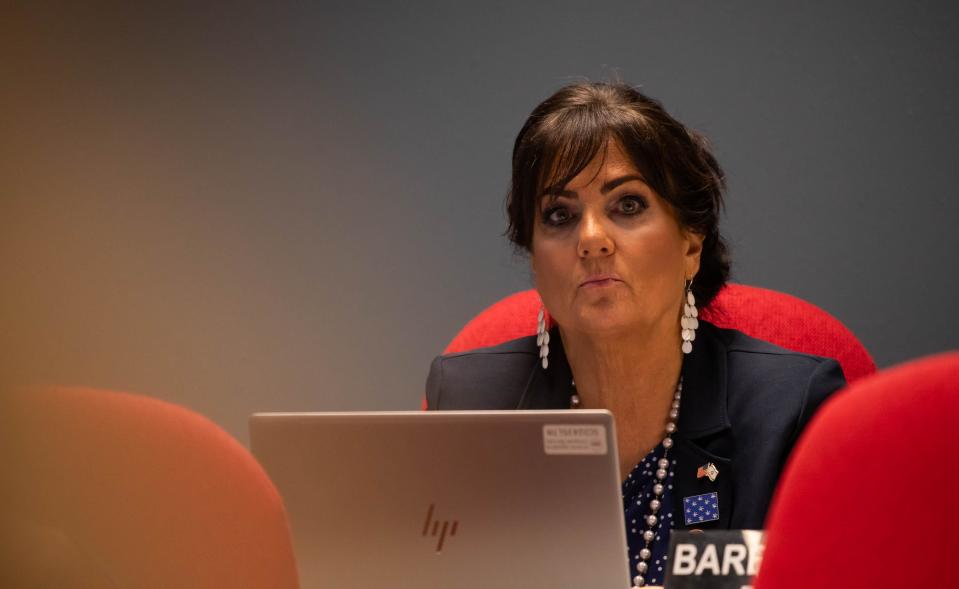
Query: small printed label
pixel 574 439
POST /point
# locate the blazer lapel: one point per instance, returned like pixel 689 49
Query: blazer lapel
pixel 703 435
pixel 689 457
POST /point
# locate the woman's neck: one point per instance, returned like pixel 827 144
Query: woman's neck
pixel 629 367
pixel 633 375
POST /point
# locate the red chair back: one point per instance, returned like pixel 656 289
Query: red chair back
pixel 866 500
pixel 765 314
pixel 143 493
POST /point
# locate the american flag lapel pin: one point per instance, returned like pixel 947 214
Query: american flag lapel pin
pixel 708 470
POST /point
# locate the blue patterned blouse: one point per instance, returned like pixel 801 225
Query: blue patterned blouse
pixel 637 493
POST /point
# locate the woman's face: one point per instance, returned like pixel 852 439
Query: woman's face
pixel 608 254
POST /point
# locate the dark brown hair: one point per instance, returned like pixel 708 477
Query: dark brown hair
pixel 566 131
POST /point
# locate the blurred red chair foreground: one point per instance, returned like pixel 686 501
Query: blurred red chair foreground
pixel 868 497
pixel 768 315
pixel 105 489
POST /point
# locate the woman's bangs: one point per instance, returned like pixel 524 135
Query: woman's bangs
pixel 567 148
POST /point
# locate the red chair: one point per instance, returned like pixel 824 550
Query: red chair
pixel 109 489
pixel 773 316
pixel 868 497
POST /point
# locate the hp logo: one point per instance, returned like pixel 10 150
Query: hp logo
pixel 438 528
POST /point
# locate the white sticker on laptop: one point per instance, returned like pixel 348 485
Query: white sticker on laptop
pixel 574 439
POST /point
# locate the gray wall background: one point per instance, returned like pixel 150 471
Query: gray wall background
pixel 295 207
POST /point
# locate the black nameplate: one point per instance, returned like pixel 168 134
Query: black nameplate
pixel 715 559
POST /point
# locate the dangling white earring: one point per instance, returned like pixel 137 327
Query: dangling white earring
pixel 690 321
pixel 542 337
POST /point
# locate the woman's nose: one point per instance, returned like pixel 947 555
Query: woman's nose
pixel 594 241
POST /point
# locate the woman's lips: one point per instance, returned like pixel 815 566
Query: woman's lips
pixel 600 281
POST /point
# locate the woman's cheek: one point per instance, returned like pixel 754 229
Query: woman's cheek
pixel 551 277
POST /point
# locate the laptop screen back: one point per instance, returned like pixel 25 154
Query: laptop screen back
pixel 476 499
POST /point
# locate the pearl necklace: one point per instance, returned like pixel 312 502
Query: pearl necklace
pixel 652 520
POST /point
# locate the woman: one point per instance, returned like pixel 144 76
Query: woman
pixel 617 205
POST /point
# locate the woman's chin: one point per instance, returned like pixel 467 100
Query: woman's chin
pixel 604 320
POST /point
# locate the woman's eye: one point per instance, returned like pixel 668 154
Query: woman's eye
pixel 631 205
pixel 556 216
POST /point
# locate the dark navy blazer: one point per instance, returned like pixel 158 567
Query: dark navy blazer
pixel 744 403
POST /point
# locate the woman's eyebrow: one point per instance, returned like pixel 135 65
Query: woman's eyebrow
pixel 621 180
pixel 557 191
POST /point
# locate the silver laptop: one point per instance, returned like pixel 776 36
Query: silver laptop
pixel 449 499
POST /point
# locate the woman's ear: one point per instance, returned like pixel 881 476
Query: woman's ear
pixel 694 250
